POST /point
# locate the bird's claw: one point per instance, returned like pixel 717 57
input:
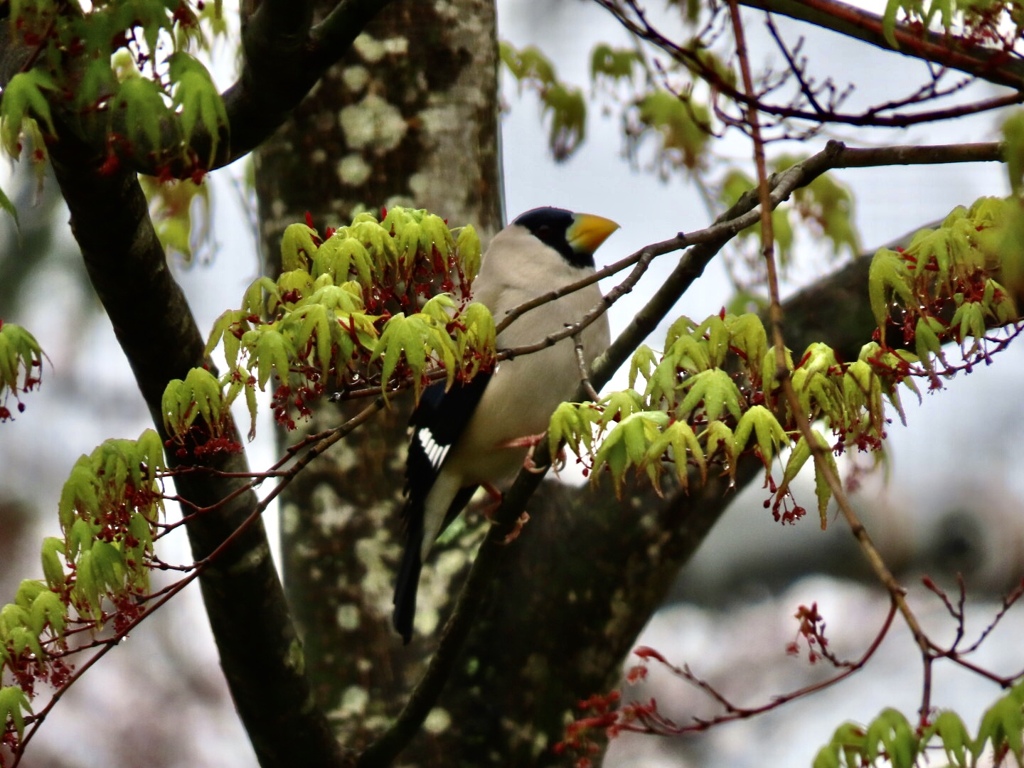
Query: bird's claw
pixel 526 441
pixel 557 465
pixel 524 518
pixel 530 466
pixel 530 442
pixel 491 508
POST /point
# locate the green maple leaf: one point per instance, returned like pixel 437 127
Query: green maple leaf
pixel 197 97
pixel 23 98
pixel 762 424
pixel 14 705
pixel 716 389
pixel 888 275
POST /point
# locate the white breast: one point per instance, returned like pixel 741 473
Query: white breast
pixel 524 391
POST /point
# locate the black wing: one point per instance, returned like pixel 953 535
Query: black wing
pixel 438 421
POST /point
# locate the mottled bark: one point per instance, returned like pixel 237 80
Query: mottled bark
pixel 155 327
pixel 408 118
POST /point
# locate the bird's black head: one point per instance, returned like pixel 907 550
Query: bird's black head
pixel 550 226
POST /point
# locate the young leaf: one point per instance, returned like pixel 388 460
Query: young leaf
pixel 679 438
pixel 848 742
pixel 678 121
pixel 527 64
pixel 1013 149
pixel 144 109
pixel 952 732
pixel 573 424
pixel 299 245
pixel 339 256
pixel 53 569
pixel 273 352
pixel 889 22
pixel 716 389
pixel 970 317
pixel 891 734
pixel 770 436
pixel 887 275
pixel 315 331
pixel 198 98
pixel 926 339
pixel 822 489
pixel 403 337
pixel 14 705
pixel 718 438
pixel 748 336
pixel 797 458
pixel 79 495
pixel 568 110
pixel 628 443
pixel 620 404
pixel 24 98
pixel 612 63
pixel 716 331
pixel 48 610
pixel 642 362
pixel 1001 726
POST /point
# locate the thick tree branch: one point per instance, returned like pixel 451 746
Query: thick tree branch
pixel 992 65
pixel 283 57
pixel 258 647
pixel 280 65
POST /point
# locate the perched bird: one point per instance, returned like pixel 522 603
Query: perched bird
pixel 473 434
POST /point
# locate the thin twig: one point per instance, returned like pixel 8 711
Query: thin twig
pixel 734 712
pixel 581 362
pixel 331 438
pixel 821 464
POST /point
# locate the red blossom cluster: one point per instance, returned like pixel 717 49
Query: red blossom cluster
pixel 812 630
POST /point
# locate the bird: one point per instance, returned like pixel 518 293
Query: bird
pixel 478 432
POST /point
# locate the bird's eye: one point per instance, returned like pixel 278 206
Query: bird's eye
pixel 543 231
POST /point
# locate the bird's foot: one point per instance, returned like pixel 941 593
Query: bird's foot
pixel 491 507
pixel 526 441
pixel 531 442
pixel 524 518
pixel 557 465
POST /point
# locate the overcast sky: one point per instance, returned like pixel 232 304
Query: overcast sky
pixel 943 446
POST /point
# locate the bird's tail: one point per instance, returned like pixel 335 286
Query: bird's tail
pixel 408 578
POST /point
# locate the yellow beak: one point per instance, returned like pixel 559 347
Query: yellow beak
pixel 588 231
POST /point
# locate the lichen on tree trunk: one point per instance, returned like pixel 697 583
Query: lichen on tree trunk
pixel 409 117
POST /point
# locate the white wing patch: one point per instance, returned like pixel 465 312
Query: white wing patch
pixel 434 451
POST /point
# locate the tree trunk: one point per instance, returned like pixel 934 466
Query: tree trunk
pixel 408 118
